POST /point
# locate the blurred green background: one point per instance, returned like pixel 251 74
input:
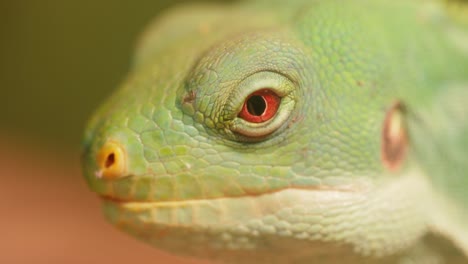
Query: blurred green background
pixel 59 60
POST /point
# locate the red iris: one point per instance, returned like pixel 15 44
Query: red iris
pixel 260 106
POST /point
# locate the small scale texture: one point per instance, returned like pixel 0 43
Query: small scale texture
pixel 309 184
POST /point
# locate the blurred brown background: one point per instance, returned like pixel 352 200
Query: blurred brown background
pixel 59 60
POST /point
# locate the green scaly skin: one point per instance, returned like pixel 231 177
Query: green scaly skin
pixel 309 185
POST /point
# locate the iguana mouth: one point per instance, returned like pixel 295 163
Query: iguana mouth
pixel 228 211
pixel 114 199
pixel 351 189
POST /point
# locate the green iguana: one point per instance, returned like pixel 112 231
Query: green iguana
pixel 292 132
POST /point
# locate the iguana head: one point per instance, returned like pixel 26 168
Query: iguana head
pixel 241 131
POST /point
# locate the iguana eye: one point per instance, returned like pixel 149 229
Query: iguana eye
pixel 260 106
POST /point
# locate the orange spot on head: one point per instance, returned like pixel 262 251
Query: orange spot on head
pixel 394 138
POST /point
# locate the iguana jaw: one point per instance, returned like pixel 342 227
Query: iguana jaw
pixel 239 224
pixel 252 223
pixel 221 210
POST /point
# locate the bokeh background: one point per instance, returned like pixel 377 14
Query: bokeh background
pixel 58 61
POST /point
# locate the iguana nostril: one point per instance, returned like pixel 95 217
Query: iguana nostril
pixel 111 161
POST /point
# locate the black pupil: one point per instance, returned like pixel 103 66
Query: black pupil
pixel 256 105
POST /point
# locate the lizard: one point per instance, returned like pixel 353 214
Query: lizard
pixel 292 132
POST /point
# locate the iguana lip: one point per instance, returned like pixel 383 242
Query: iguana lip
pixel 114 199
pixel 121 201
pixel 224 210
pixel 338 189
